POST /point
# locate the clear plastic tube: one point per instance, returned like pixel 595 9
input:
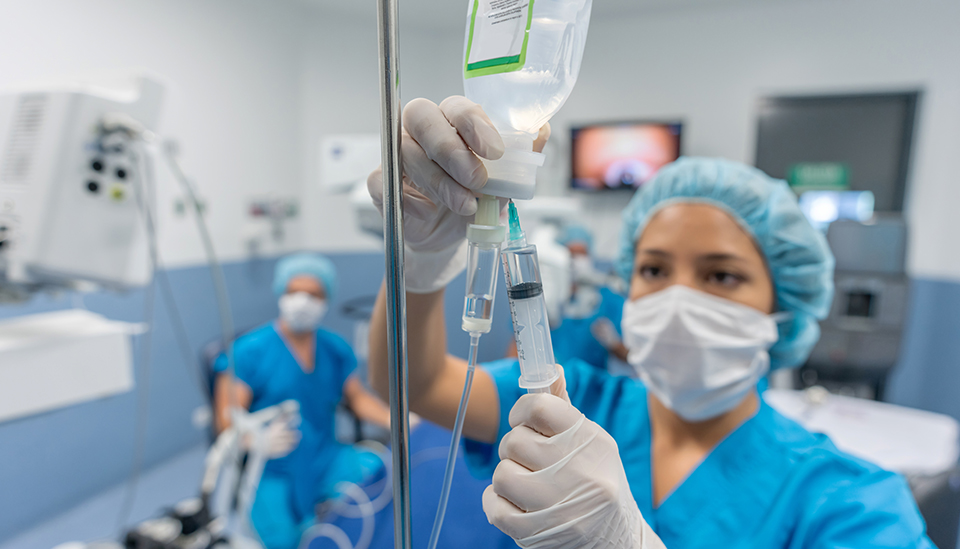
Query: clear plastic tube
pixel 455 443
pixel 484 237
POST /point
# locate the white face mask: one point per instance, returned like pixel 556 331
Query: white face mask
pixel 583 303
pixel 582 267
pixel 699 354
pixel 302 312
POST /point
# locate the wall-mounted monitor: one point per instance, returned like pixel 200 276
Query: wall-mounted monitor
pixel 859 142
pixel 621 155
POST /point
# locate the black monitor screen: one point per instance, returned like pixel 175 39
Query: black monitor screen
pixel 860 304
pixel 621 155
pixel 841 143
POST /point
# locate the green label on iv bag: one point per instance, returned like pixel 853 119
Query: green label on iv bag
pixel 497 39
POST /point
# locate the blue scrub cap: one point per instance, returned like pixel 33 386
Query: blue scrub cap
pixel 575 233
pixel 798 256
pixel 311 264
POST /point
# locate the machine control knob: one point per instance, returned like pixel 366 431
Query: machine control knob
pixel 93 187
pixel 96 165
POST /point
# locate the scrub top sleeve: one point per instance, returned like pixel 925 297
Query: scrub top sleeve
pixel 220 363
pixel 247 361
pixel 482 458
pixel 873 510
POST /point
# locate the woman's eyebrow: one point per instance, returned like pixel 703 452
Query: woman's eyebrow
pixel 721 257
pixel 655 251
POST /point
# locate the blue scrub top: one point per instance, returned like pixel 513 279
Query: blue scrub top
pixel 574 340
pixel 266 364
pixel 770 483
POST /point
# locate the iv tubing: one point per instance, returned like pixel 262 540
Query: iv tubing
pixel 455 442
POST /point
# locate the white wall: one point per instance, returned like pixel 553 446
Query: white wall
pixel 340 91
pixel 710 65
pixel 233 70
pixel 255 85
pixel 706 65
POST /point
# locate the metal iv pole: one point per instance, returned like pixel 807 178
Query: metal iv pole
pixel 388 25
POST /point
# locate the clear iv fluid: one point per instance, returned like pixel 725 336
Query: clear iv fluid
pixel 532 333
pixel 481 286
pixel 522 101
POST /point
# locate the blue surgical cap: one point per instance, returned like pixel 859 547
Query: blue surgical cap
pixel 799 259
pixel 310 264
pixel 575 233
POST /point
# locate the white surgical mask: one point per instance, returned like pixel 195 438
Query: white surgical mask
pixel 698 353
pixel 583 303
pixel 302 312
pixel 582 267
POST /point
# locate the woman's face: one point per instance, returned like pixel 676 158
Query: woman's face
pixel 702 247
pixel 308 284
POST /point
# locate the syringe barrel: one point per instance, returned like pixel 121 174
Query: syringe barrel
pixel 483 255
pixel 531 328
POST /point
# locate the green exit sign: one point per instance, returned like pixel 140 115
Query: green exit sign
pixel 819 176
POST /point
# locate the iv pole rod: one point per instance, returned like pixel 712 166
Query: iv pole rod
pixel 388 33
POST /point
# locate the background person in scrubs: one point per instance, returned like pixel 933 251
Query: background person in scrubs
pixel 727 279
pixel 590 327
pixel 294 358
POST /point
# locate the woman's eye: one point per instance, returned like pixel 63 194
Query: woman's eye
pixel 725 279
pixel 650 272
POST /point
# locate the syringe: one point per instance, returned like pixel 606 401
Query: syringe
pixel 484 237
pixel 521 268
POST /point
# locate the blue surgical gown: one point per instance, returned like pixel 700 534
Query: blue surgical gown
pixel 769 484
pixel 574 339
pixel 293 485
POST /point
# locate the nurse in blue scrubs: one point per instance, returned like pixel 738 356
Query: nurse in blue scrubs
pixel 726 280
pixel 294 358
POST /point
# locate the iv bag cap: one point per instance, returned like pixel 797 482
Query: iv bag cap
pixel 514 175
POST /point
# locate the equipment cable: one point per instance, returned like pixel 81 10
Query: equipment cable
pixel 143 190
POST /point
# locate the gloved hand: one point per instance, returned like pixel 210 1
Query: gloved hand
pixel 278 439
pixel 442 176
pixel 605 332
pixel 561 483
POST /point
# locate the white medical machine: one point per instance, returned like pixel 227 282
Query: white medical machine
pixel 70 187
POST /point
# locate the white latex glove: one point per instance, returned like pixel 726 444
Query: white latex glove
pixel 278 439
pixel 605 332
pixel 442 176
pixel 561 483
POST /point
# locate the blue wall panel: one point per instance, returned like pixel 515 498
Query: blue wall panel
pixel 928 374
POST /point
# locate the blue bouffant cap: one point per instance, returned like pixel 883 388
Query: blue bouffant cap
pixel 575 233
pixel 310 264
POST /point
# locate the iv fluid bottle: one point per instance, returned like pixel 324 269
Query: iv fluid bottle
pixel 521 61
